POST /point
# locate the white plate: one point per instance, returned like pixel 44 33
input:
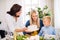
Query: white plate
pixel 33 28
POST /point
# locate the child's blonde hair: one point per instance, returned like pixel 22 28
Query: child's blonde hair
pixel 47 17
pixel 31 21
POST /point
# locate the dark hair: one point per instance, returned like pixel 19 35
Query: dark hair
pixel 15 8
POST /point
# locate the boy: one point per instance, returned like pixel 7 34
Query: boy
pixel 47 29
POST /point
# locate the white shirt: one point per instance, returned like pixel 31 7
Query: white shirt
pixel 11 23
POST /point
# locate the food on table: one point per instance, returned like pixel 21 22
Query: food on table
pixel 33 28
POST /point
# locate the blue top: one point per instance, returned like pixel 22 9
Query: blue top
pixel 47 30
pixel 28 23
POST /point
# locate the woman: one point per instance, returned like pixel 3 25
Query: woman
pixel 12 20
pixel 34 20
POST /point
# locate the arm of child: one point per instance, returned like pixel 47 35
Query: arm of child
pixel 41 32
pixel 54 32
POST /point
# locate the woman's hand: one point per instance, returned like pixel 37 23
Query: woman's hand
pixel 28 30
pixel 24 28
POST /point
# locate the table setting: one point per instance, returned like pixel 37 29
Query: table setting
pixel 17 36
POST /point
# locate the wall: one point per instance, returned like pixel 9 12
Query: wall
pixel 57 13
pixel 2 9
pixel 5 6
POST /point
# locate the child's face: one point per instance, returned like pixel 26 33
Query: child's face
pixel 46 22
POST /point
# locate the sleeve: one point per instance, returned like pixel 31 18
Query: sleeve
pixel 4 24
pixel 41 32
pixel 27 23
pixel 54 32
pixel 9 23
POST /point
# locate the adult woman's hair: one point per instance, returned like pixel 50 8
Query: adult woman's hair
pixel 31 20
pixel 14 9
pixel 37 22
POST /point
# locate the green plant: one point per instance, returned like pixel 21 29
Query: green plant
pixel 52 39
pixel 23 37
pixel 41 38
pixel 43 12
pixel 40 12
pixel 28 13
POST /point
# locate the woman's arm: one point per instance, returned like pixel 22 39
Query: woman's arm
pixel 21 30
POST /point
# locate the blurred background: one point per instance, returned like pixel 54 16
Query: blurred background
pixel 27 5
